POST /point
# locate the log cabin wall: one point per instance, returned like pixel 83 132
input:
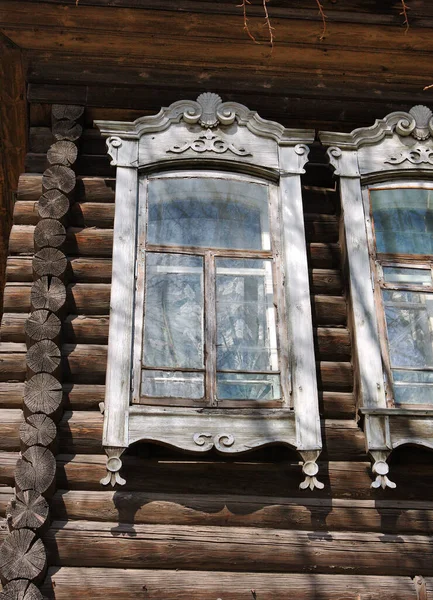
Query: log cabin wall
pixel 203 528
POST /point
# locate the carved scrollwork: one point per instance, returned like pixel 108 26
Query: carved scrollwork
pixel 209 111
pixel 418 123
pixel 113 144
pixel 380 468
pixel 209 142
pixel 416 156
pixel 221 441
pixel 114 464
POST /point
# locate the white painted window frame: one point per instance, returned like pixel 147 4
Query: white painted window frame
pixel 395 150
pixel 209 134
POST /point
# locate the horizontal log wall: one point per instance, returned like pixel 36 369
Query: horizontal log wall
pixel 207 514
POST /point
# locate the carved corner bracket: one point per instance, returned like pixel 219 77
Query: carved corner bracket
pixel 310 469
pixel 380 468
pixel 114 464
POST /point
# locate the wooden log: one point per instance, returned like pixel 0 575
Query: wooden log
pixel 42 324
pixel 235 549
pixel 20 589
pixel 99 584
pixel 53 204
pixel 37 430
pixel 40 139
pixel 83 397
pixel 22 556
pixel 11 395
pixel 49 232
pixel 48 293
pixel 387 516
pixel 12 327
pixel 29 510
pixel 49 261
pixel 67 130
pixel 69 112
pixel 44 356
pixel 86 165
pixel 6 495
pixel 36 470
pixel 90 189
pixel 12 367
pixel 43 394
pixel 329 310
pixel 62 153
pixel 8 462
pixel 59 178
pixel 337 405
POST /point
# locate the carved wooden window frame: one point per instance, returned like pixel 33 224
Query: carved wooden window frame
pixel 396 151
pixel 209 135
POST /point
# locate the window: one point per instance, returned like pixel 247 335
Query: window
pixel 207 333
pixel 210 339
pixel 386 184
pixel 403 234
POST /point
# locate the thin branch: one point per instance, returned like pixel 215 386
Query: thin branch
pixel 427 87
pixel 322 14
pixel 246 26
pixel 405 8
pixel 268 24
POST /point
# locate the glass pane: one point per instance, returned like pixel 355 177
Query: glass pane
pixel 403 220
pixel 207 212
pixel 409 323
pixel 173 325
pixel 248 386
pixel 163 384
pixel 413 387
pixel 246 328
pixel 406 275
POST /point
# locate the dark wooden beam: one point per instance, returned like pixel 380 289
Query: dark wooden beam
pixel 13 139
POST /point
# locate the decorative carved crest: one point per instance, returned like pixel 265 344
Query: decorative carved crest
pixel 415 156
pixel 209 111
pixel 209 142
pixel 419 126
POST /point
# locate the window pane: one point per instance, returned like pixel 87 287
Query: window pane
pixel 409 322
pixel 413 387
pixel 248 386
pixel 173 326
pixel 405 275
pixel 207 212
pixel 246 328
pixel 164 384
pixel 403 220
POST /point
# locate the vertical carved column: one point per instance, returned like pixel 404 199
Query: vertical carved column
pixel 22 555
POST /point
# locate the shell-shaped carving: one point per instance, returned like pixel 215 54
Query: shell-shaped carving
pixel 423 119
pixel 209 103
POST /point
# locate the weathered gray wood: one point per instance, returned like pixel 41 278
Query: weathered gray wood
pixel 37 430
pixel 48 293
pixel 20 589
pixel 43 356
pixel 43 394
pixel 53 204
pixel 62 153
pixel 42 324
pixel 49 261
pixel 49 232
pixel 60 178
pixel 69 112
pixel 69 582
pixel 28 510
pixel 67 129
pixel 22 556
pixel 35 470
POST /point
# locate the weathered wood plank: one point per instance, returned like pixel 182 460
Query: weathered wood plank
pixel 99 584
pixel 387 516
pixel 89 189
pixel 88 397
pixel 236 549
pixel 6 495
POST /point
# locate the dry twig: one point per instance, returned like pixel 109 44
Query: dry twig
pixel 405 8
pixel 246 26
pixel 322 14
pixel 268 24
